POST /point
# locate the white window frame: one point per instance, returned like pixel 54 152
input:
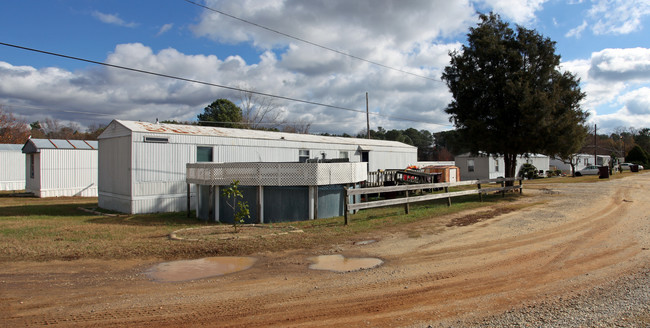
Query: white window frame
pixel 303 155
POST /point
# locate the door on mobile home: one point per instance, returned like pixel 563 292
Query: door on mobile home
pixel 452 175
pixel 365 157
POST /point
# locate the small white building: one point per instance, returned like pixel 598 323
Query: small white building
pixel 581 161
pixel 482 166
pixel 57 168
pixel 142 166
pixel 12 167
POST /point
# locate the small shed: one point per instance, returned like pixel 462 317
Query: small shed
pixel 56 167
pixel 449 173
pixel 483 166
pixel 12 167
pixel 275 192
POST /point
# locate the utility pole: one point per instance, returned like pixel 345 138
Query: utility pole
pixel 367 116
pixel 595 149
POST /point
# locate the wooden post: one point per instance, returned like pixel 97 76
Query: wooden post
pixel 347 203
pixel 188 200
pixel 448 197
pixel 521 187
pixel 480 194
pixel 406 205
pixel 503 186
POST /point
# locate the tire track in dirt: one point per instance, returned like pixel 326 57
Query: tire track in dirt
pixel 462 271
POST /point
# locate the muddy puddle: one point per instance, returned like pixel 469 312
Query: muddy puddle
pixel 185 270
pixel 339 263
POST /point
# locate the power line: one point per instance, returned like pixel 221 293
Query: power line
pixel 58 110
pixel 311 43
pixel 210 84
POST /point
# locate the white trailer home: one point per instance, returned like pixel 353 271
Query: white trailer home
pixel 57 168
pixel 482 166
pixel 581 161
pixel 12 167
pixel 142 166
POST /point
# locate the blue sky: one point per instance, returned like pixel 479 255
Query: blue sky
pixel 605 43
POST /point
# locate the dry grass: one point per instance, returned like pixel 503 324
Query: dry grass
pixel 55 228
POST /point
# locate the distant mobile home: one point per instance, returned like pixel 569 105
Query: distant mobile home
pixel 12 164
pixel 57 167
pixel 581 161
pixel 142 166
pixel 481 166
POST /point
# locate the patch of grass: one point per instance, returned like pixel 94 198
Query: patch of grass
pixel 55 228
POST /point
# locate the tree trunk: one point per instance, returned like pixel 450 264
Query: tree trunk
pixel 510 161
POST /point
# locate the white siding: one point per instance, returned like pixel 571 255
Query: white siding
pixel 12 170
pixel 485 167
pixel 156 177
pixel 68 172
pixel 114 176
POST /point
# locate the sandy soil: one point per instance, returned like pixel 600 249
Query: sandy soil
pixel 572 238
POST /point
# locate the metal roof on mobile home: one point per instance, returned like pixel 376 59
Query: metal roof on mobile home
pixel 35 145
pixel 163 128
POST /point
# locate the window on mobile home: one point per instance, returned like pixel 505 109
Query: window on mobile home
pixel 204 154
pixel 303 155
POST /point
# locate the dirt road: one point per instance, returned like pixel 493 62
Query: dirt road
pixel 571 238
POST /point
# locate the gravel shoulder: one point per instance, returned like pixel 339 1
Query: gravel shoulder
pixel 574 255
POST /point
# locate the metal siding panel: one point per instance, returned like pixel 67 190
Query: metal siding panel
pixel 286 204
pixel 331 201
pixel 226 213
pixel 115 166
pixel 12 174
pixel 68 172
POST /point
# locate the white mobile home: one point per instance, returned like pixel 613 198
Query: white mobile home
pixel 57 168
pixel 581 161
pixel 482 166
pixel 12 162
pixel 142 166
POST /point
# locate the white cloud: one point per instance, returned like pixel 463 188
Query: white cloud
pixel 577 32
pixel 360 27
pixel 618 16
pixel 112 19
pixel 632 64
pixel 164 29
pixel 637 102
pixel 112 93
pixel 617 87
pixel 519 11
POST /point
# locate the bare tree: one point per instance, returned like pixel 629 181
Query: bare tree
pixel 300 126
pixel 12 130
pixel 259 112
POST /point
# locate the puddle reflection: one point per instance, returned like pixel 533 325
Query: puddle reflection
pixel 338 263
pixel 185 270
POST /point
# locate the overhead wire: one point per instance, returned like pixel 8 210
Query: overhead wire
pixel 311 42
pixel 210 84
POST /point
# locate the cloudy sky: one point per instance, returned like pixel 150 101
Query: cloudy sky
pixel 398 50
